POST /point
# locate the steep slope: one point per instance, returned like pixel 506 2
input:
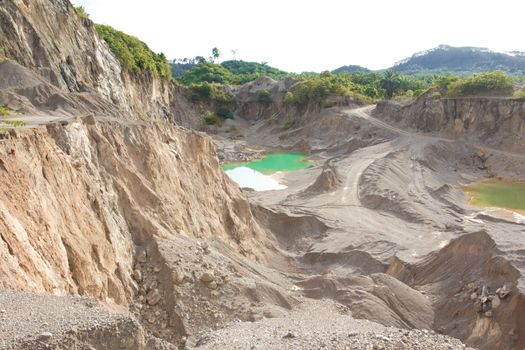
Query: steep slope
pixel 474 291
pixel 96 190
pixel 495 122
pixel 50 39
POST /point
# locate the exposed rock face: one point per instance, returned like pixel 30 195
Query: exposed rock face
pixel 490 120
pixel 89 192
pixel 49 38
pixel 247 102
pixel 454 277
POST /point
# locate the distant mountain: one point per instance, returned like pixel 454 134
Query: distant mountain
pixel 351 69
pixel 462 60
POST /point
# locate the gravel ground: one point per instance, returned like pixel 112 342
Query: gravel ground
pixel 29 321
pixel 320 325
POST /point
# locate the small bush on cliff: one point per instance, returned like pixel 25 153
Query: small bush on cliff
pixel 264 98
pixel 225 112
pixel 520 94
pixel 209 92
pixel 210 118
pixel 484 84
pixel 288 97
pixel 81 12
pixel 14 123
pixel 4 111
pixel 133 54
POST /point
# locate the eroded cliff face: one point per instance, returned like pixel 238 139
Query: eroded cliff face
pixel 50 39
pixel 79 199
pixel 496 122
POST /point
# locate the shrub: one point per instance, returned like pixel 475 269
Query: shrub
pixel 133 54
pixel 520 94
pixel 210 118
pixel 484 84
pixel 224 112
pixel 81 12
pixel 289 124
pixel 4 111
pixel 436 95
pixel 264 98
pixel 209 92
pixel 14 123
pixel 288 97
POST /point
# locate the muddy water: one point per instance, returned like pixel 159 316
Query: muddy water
pixel 262 174
pixel 496 193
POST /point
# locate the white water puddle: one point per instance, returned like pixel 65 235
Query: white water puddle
pixel 520 219
pixel 499 213
pixel 505 214
pixel 247 177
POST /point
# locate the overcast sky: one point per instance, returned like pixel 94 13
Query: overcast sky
pixel 314 35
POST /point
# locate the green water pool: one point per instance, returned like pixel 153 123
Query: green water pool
pixel 273 163
pixel 497 193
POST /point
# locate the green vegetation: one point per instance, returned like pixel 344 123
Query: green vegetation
pixel 249 71
pixel 4 111
pixel 264 98
pixel 510 195
pixel 316 91
pixel 215 54
pixel 289 124
pixel 483 84
pixel 274 162
pixel 209 73
pixel 352 85
pixel 14 123
pixel 209 92
pixel 133 54
pixel 211 118
pixel 520 94
pixel 81 11
pixel 229 72
pixel 225 112
pixel 3 58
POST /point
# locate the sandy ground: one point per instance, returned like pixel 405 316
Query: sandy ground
pixel 398 198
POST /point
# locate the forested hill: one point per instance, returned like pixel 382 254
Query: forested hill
pixel 462 60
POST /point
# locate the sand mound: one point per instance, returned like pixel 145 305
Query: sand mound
pixel 463 280
pixel 377 297
pixel 293 232
pixel 327 181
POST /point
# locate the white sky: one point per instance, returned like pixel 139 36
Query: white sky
pixel 314 35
